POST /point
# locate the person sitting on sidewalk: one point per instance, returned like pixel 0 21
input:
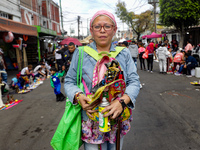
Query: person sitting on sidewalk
pixel 178 60
pixel 25 74
pixel 191 63
pixel 134 51
pixel 27 71
pixel 38 71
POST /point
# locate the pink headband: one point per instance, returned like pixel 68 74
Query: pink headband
pixel 103 12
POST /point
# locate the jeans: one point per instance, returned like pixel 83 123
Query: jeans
pixel 150 62
pixel 135 61
pixel 104 146
pixel 4 75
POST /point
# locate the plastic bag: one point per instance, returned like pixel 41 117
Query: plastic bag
pixel 68 133
pixel 145 55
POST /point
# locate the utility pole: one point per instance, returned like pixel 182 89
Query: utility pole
pixel 154 2
pixel 78 25
pixel 61 19
pixel 82 29
pixel 87 28
pixel 155 16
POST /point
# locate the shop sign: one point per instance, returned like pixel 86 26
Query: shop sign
pixel 17 27
pixel 47 31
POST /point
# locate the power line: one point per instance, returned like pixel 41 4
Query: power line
pixel 138 6
pixel 108 5
pixel 70 21
pixel 67 12
pixel 134 3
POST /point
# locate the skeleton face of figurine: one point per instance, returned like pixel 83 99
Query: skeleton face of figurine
pixel 112 70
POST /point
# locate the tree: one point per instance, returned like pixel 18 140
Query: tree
pixel 138 23
pixel 181 14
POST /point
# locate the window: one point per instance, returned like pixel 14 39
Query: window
pixel 4 15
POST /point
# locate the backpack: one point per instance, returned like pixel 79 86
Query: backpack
pixel 108 80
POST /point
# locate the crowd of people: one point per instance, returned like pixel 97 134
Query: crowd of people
pixel 53 68
pixel 103 27
pixel 172 60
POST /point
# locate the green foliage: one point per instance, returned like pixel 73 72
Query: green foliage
pixel 138 23
pixel 180 13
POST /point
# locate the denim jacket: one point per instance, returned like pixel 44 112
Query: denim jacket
pixel 126 63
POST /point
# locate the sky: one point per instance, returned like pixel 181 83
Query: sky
pixel 87 8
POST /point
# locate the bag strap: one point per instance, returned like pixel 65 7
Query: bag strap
pixel 94 54
pixel 79 67
pixel 85 87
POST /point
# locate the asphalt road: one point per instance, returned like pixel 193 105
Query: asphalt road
pixel 166 116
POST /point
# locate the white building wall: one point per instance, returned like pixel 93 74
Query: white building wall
pixel 11 8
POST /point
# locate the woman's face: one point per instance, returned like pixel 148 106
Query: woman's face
pixel 103 36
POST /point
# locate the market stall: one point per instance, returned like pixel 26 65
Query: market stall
pixel 153 35
pixel 12 36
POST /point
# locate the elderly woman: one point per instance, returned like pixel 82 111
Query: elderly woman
pixel 102 27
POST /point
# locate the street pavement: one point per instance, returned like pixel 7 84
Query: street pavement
pixel 166 116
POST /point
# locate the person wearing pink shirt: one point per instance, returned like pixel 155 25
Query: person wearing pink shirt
pixel 141 51
pixel 178 59
pixel 188 46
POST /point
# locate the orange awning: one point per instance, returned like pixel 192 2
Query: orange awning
pixel 17 27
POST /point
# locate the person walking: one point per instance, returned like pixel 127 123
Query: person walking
pixel 102 27
pixel 141 51
pixel 151 53
pixel 134 51
pixel 67 57
pixel 58 58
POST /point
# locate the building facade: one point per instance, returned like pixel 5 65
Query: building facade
pixel 44 13
pixel 34 23
pixel 10 10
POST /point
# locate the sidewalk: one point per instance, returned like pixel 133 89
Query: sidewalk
pixel 11 74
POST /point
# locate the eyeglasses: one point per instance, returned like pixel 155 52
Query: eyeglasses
pixel 106 27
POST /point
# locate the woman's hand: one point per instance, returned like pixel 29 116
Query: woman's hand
pixel 114 109
pixel 84 101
